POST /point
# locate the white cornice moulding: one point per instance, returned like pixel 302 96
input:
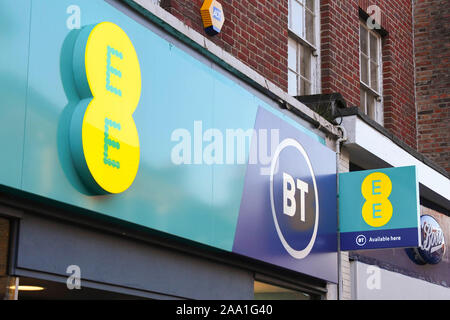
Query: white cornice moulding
pixel 365 138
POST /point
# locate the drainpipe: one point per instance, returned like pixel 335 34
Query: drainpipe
pixel 340 140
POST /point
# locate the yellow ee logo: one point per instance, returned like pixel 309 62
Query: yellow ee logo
pixel 103 136
pixel 377 210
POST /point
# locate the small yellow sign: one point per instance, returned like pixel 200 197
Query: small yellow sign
pixel 212 16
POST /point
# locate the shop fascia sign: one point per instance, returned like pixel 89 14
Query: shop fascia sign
pixel 379 209
pixel 301 223
pixel 289 216
pixel 432 247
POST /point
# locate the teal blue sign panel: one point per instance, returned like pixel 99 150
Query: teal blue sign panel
pixel 14 42
pixel 191 119
pixel 379 209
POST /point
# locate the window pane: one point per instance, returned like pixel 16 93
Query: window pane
pixel 292 84
pixel 363 40
pixel 305 62
pixel 309 27
pixel 374 76
pixel 364 69
pixel 305 87
pixel 292 55
pixel 297 18
pixel 373 48
pixel 310 5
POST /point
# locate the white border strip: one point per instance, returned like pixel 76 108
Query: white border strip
pixel 363 135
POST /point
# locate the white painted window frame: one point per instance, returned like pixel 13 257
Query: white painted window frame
pixel 315 73
pixel 366 88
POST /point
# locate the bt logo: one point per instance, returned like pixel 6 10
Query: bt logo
pixel 103 136
pixel 361 240
pixel 289 191
pixel 294 198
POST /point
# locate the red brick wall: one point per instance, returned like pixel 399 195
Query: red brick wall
pixel 340 59
pixel 432 45
pixel 255 32
pixel 340 48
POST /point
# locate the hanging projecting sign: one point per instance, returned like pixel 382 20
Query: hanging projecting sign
pixel 432 248
pixel 379 209
pixel 212 16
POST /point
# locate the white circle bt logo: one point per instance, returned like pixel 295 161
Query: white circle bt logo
pixel 361 240
pixel 289 198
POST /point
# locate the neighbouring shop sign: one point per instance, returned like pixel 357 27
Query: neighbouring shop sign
pixel 432 247
pixel 379 209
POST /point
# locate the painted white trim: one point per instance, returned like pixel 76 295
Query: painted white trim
pixel 379 101
pixel 236 64
pixel 364 136
pixel 315 55
pixel 318 66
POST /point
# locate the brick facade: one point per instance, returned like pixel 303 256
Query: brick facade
pixel 432 52
pixel 340 59
pixel 340 49
pixel 255 32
